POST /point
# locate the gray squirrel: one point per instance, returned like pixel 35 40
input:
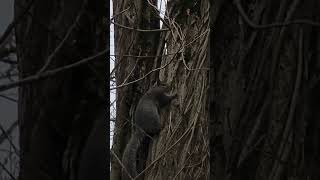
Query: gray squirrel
pixel 147 123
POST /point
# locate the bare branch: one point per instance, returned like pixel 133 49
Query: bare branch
pixel 162 67
pixel 273 25
pixel 139 30
pixel 161 155
pixel 56 50
pixel 7 171
pixel 153 70
pixel 15 22
pixel 6 75
pixel 4 52
pixel 4 132
pixel 9 61
pixel 8 98
pixel 9 131
pixel 137 56
pixel 119 161
pixel 115 15
pixel 53 72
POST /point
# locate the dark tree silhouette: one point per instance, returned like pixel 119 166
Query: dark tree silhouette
pixel 61 49
pixel 264 95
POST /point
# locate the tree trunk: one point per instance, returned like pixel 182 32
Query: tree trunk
pixel 57 113
pixel 181 149
pixel 264 83
pixel 128 67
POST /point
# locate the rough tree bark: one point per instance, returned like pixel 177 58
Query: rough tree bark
pixel 181 150
pixel 128 43
pixel 265 121
pixel 56 114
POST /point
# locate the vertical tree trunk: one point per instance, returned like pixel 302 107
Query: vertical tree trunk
pixel 181 149
pixel 129 44
pixel 57 113
pixel 264 115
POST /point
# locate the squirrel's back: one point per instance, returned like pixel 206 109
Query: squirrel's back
pixel 147 121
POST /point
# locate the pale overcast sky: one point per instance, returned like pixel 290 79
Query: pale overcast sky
pixel 8 109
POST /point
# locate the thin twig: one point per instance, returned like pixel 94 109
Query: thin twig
pixel 15 22
pixel 138 56
pixel 8 98
pixel 4 132
pixel 53 72
pixel 4 52
pixel 115 15
pixel 8 131
pixel 157 12
pixel 292 108
pixel 157 69
pixel 56 50
pixel 9 61
pixel 139 30
pixel 7 171
pixel 139 79
pixel 161 155
pixel 184 61
pixel 273 25
pixel 119 161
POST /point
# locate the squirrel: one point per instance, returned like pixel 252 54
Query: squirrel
pixel 147 121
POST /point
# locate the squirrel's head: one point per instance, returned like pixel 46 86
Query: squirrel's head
pixel 160 94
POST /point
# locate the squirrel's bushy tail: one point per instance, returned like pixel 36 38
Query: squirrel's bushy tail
pixel 130 155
